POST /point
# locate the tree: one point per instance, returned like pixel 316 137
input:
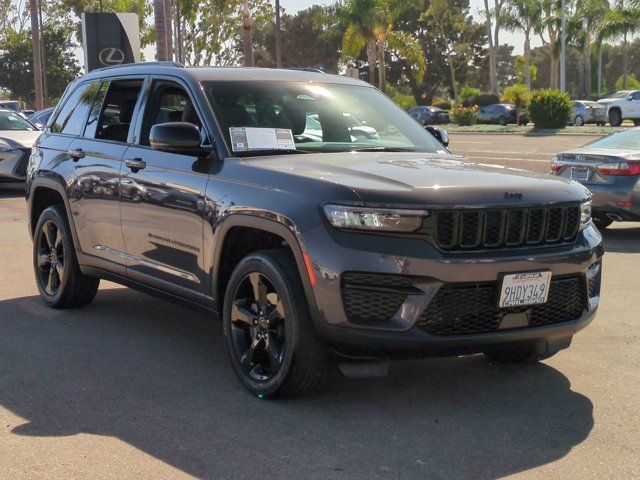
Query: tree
pixel 370 26
pixel 451 25
pixel 16 62
pixel 524 15
pixel 160 21
pixel 550 21
pixel 36 43
pixel 623 20
pixel 518 95
pixel 493 37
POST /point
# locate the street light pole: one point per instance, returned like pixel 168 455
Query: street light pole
pixel 563 49
pixel 278 37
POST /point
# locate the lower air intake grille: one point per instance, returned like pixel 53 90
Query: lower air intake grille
pixel 472 308
pixel 20 170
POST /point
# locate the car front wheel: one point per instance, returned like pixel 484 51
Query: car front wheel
pixel 615 118
pixel 578 121
pixel 270 339
pixel 58 276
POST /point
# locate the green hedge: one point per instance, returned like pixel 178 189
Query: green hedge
pixel 549 109
pixel 464 116
pixel 481 99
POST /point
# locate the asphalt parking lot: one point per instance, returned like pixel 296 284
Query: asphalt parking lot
pixel 135 387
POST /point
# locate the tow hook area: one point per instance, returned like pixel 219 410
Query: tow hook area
pixel 362 367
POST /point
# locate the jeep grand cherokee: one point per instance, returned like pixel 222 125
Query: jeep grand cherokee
pixel 200 184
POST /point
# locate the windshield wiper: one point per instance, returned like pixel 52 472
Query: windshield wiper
pixel 383 149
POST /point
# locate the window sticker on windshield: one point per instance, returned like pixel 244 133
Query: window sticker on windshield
pixel 250 138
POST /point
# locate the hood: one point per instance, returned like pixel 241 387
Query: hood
pixel 20 138
pixel 425 179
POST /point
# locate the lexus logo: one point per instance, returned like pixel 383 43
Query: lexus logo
pixel 111 56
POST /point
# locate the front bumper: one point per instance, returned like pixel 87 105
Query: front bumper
pixel 333 253
pixel 13 165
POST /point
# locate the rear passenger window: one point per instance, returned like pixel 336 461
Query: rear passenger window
pixel 117 110
pixel 74 113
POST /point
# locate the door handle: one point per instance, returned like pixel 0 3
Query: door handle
pixel 135 164
pixel 76 154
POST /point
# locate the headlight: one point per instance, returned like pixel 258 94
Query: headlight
pixel 374 219
pixel 585 214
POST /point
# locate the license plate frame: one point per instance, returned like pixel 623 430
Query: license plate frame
pixel 580 174
pixel 523 289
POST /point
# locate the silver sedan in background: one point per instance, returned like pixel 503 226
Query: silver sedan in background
pixel 610 169
pixel 586 111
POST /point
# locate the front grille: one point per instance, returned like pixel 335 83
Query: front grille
pixel 472 308
pixel 20 170
pixel 373 299
pixel 496 228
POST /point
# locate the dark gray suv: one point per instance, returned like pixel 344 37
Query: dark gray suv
pixel 246 193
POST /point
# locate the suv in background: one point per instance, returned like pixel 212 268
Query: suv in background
pixel 199 184
pixel 500 114
pixel 429 115
pixel 624 108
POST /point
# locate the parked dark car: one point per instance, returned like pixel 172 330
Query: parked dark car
pixel 500 114
pixel 41 117
pixel 610 168
pixel 338 248
pixel 429 115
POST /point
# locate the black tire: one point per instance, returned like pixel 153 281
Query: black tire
pixel 58 277
pixel 615 118
pixel 578 121
pixel 601 222
pixel 516 355
pixel 636 123
pixel 300 364
pixel 502 121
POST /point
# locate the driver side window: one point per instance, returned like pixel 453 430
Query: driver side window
pixel 169 102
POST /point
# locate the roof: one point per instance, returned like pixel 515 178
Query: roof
pixel 224 73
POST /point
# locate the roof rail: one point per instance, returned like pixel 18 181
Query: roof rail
pixel 143 64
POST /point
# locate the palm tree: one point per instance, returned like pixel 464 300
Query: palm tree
pixel 370 26
pixel 159 16
pixel 525 15
pixel 247 37
pixel 37 54
pixel 493 36
pixel 584 27
pixel 623 20
pixel 550 21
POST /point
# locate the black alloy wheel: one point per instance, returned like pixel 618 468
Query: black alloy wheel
pixel 50 257
pixel 258 327
pixel 271 341
pixel 58 277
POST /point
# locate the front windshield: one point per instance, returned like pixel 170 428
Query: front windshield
pixel 13 121
pixel 321 117
pixel 627 140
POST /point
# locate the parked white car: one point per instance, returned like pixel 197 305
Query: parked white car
pixel 623 105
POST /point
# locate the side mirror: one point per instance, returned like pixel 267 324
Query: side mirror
pixel 175 137
pixel 439 133
pixel 630 98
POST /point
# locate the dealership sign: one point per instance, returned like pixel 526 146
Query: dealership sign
pixel 110 39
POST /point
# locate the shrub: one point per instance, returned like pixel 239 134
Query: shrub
pixel 464 115
pixel 467 93
pixel 518 96
pixel 479 98
pixel 443 105
pixel 403 99
pixel 549 109
pixel 632 83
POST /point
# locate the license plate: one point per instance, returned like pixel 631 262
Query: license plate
pixel 579 174
pixel 523 289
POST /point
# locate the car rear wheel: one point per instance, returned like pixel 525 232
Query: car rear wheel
pixel 502 120
pixel 636 123
pixel 615 118
pixel 58 276
pixel 270 339
pixel 578 121
pixel 519 354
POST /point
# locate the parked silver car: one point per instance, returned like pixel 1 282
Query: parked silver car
pixel 17 136
pixel 586 111
pixel 610 169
